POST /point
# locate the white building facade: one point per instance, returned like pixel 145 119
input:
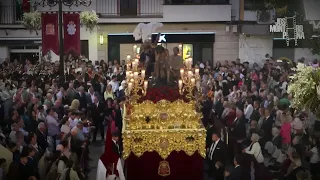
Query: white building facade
pixel 184 26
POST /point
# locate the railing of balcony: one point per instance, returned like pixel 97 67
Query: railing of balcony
pixel 130 8
pixel 196 2
pixel 10 14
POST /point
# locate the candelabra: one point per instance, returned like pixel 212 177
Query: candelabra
pixel 190 79
pixel 136 80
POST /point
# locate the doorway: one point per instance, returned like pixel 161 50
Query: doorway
pixel 128 7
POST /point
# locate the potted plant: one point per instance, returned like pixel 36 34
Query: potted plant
pixel 89 19
pixel 32 21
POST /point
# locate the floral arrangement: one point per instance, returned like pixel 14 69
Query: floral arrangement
pixel 32 21
pixel 157 94
pixel 89 19
pixel 305 88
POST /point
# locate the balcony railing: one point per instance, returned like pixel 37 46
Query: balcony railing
pixel 130 8
pixel 10 14
pixel 196 2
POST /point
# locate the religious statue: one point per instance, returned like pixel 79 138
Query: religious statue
pixel 161 64
pixel 175 63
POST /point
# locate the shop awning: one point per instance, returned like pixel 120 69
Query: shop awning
pixel 19 42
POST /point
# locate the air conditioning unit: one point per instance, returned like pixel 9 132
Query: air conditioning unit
pixel 265 17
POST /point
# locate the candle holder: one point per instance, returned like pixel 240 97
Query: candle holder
pixel 190 81
pixel 136 83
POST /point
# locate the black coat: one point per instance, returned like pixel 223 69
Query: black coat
pixel 235 174
pixel 266 127
pixel 97 113
pixel 277 141
pixel 42 140
pixel 219 154
pixel 209 141
pixel 255 115
pixel 116 149
pixel 83 100
pixel 238 130
pixel 24 172
pixel 218 108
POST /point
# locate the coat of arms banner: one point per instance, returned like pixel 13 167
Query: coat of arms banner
pixel 71 24
pixel 50 33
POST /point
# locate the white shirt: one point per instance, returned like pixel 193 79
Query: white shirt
pixel 12 136
pixel 73 122
pixel 256 152
pixel 59 95
pixel 65 129
pixel 92 97
pixel 296 125
pixel 24 132
pixel 315 155
pixel 212 148
pixel 248 111
pixel 114 85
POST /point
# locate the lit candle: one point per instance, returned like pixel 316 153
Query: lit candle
pixel 134 48
pixel 198 84
pixel 181 72
pixel 130 86
pixel 193 81
pixel 135 75
pixel 145 85
pixel 196 71
pixel 133 64
pixel 136 60
pixel 190 74
pixel 128 57
pixel 143 73
pixel 131 75
pixel 180 84
pixel 127 74
pixel 189 62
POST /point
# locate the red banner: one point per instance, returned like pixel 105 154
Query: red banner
pixel 26 5
pixel 50 36
pixel 71 24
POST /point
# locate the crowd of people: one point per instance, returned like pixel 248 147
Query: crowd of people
pixel 248 114
pixel 47 126
pixel 252 131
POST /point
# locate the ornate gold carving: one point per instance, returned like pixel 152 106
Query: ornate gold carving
pixel 170 127
pixel 164 169
pixel 163 115
pixel 164 142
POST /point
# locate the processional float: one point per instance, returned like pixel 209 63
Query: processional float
pixel 163 126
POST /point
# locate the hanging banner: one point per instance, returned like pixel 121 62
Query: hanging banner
pixel 26 5
pixel 71 24
pixel 50 39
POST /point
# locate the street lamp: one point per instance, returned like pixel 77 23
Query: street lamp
pixel 69 3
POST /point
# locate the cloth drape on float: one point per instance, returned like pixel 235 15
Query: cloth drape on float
pixel 165 138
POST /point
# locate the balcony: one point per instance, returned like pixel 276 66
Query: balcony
pixel 196 2
pixel 10 15
pixel 135 11
pixel 130 8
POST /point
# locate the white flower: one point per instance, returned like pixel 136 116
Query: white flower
pixel 89 19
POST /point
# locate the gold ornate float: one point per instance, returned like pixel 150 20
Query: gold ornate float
pixel 163 127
